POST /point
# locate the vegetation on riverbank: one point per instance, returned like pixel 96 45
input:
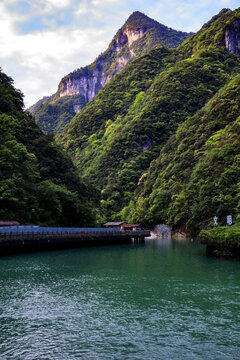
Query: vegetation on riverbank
pixel 224 235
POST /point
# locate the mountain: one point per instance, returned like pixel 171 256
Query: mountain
pixel 38 182
pixel 127 140
pixel 138 36
pixel 197 173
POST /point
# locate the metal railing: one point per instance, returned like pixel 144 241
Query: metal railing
pixel 35 229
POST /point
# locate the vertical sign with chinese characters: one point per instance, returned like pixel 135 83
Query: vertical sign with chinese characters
pixel 229 219
pixel 215 219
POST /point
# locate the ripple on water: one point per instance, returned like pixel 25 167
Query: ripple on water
pixel 142 302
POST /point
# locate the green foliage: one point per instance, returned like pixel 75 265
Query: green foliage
pixel 53 113
pixel 116 136
pixel 199 167
pixel 212 34
pixel 227 235
pixel 113 102
pixel 38 182
pixel 161 140
pixel 155 34
pixel 53 116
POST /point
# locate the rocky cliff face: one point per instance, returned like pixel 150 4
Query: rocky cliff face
pixel 128 37
pixel 89 84
pixel 232 37
pixel 139 35
pixel 86 85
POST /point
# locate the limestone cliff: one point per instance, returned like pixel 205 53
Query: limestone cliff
pixel 232 37
pixel 138 36
pixel 88 83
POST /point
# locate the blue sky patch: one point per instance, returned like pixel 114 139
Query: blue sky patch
pixel 35 23
pixel 21 7
pixel 62 18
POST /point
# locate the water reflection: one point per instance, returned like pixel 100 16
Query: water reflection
pixel 158 241
pixel 167 241
pixel 160 300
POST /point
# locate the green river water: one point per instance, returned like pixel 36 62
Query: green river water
pixel 159 300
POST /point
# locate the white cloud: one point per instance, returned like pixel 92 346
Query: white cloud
pixel 37 50
pixel 103 3
pixel 59 3
pixel 37 61
pixel 45 6
pixel 48 57
pixel 82 8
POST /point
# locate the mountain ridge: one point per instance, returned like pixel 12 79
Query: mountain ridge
pixel 120 133
pixel 137 36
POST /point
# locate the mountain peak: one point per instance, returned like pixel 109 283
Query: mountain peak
pixel 223 30
pixel 137 14
pixel 215 17
pixel 138 20
pixel 139 35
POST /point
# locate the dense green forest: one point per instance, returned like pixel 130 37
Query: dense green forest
pixel 160 141
pixel 38 182
pixel 54 112
pixel 197 173
pixel 52 116
pixel 158 144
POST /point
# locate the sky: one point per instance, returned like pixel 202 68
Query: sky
pixel 43 40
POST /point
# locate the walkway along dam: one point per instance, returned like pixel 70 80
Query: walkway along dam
pixel 17 239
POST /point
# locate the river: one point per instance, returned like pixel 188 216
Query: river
pixel 159 300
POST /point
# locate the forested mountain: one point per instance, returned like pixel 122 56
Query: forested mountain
pixel 38 182
pixel 138 36
pixel 197 175
pixel 161 139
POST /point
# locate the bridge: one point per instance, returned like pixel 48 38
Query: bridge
pixel 15 239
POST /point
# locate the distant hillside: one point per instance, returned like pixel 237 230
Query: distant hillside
pixel 115 141
pixel 197 174
pixel 38 182
pixel 138 36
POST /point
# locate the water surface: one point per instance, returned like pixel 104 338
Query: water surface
pixel 160 300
